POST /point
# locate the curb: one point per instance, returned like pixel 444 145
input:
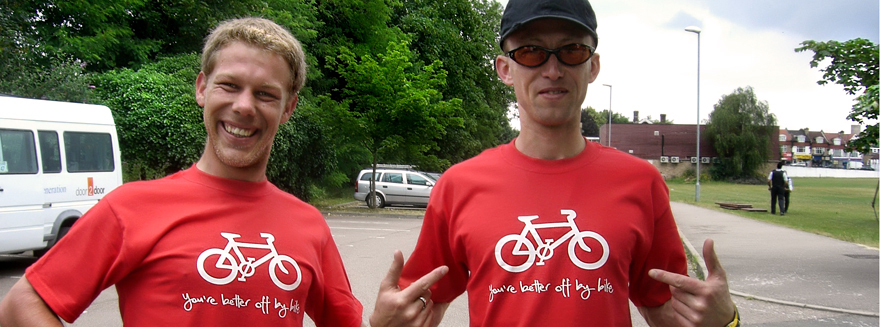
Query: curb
pixel 700 263
pixel 331 213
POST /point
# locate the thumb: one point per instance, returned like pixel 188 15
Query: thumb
pixel 713 265
pixel 393 277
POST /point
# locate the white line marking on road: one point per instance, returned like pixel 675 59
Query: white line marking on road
pixel 360 222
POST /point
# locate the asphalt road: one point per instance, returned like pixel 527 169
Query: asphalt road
pixel 367 243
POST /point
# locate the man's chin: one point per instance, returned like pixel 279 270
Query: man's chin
pixel 238 159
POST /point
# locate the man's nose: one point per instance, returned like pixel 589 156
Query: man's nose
pixel 244 103
pixel 551 69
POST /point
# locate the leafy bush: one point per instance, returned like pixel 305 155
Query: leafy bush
pixel 159 123
pixel 301 156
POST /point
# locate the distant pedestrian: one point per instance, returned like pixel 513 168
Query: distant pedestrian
pixel 777 183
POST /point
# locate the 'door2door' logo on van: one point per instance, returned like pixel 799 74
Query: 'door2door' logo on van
pixel 91 190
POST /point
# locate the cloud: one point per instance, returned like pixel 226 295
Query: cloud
pixel 819 20
pixel 682 18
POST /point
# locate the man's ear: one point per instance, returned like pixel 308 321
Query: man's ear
pixel 289 107
pixel 502 67
pixel 201 86
pixel 594 67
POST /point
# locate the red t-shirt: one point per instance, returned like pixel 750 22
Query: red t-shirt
pixel 602 220
pixel 193 249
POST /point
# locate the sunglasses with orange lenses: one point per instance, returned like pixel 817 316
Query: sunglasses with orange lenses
pixel 533 56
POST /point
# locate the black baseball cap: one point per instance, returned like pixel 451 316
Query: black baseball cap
pixel 521 12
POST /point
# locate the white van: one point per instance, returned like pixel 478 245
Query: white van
pixel 57 159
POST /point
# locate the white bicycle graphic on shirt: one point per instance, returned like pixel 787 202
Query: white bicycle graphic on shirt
pixel 248 266
pixel 543 248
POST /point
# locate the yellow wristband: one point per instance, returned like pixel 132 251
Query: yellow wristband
pixel 735 322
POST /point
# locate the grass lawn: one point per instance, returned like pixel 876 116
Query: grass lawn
pixel 337 200
pixel 835 207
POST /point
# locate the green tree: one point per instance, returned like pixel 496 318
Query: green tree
pixel 739 128
pixel 588 122
pixel 601 117
pixel 854 65
pixel 61 79
pixel 108 34
pixel 394 108
pixel 159 123
pixel 462 33
pixel 302 155
pixel 161 130
pixel 360 27
pixel 29 72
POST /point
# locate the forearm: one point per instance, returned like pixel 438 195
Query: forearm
pixel 381 318
pixel 666 316
pixel 23 306
pixel 439 312
pixel 656 316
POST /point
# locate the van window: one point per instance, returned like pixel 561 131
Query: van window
pixel 50 151
pixel 17 152
pixel 416 179
pixel 392 178
pixel 88 152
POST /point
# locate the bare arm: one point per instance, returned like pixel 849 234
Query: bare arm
pixel 22 306
pixel 694 302
pixel 411 306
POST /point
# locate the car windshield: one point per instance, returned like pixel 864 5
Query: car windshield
pixel 433 176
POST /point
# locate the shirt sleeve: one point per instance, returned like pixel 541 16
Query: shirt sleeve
pixel 332 303
pixel 82 264
pixel 434 249
pixel 666 252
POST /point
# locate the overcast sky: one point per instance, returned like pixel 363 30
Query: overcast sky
pixel 651 61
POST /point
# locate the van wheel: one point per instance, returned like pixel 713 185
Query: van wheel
pixel 61 232
pixel 380 201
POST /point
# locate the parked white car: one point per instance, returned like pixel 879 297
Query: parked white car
pixel 395 186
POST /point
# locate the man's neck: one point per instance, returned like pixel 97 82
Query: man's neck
pixel 247 174
pixel 550 144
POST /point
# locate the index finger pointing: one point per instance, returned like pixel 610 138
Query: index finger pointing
pixel 668 278
pixel 418 287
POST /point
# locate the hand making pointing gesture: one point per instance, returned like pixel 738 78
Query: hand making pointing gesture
pixel 411 306
pixel 694 302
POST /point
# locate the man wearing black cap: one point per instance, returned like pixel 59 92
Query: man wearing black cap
pixel 552 230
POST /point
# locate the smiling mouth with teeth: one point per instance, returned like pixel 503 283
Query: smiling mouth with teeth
pixel 238 132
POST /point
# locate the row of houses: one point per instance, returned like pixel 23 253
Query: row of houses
pixel 673 146
pixel 820 149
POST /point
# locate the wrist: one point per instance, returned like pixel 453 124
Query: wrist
pixel 735 322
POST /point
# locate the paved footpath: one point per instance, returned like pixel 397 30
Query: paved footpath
pixel 778 266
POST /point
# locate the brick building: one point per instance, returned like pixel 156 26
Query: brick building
pixel 652 141
pixel 672 148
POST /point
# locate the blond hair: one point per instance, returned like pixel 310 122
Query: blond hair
pixel 261 33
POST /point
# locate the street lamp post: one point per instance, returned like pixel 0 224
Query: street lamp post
pixel 697 30
pixel 609 113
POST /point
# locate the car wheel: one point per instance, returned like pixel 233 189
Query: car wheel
pixel 380 201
